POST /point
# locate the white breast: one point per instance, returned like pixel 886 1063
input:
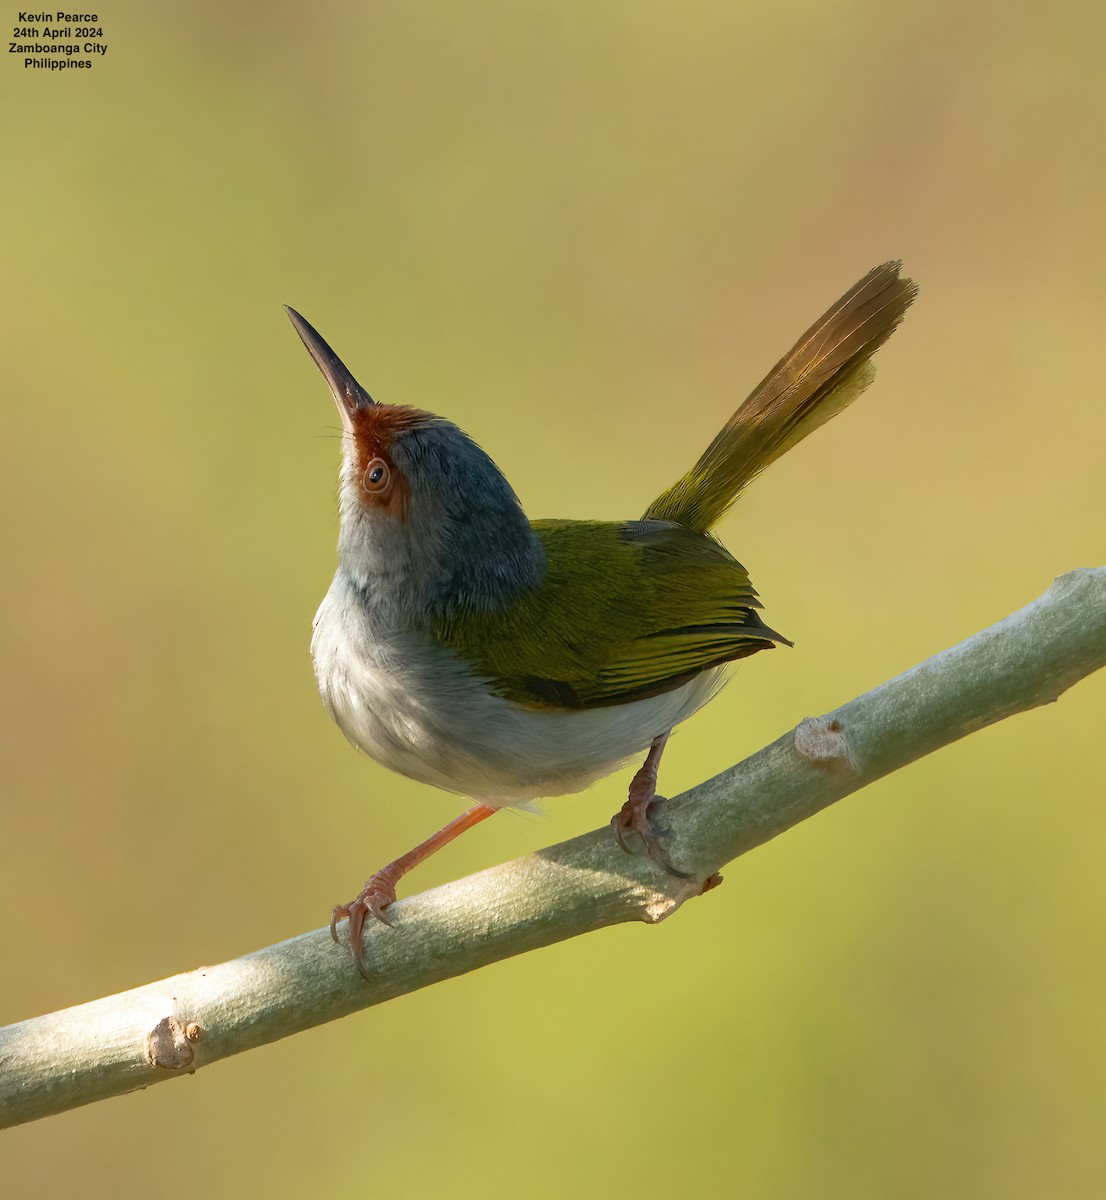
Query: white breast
pixel 411 705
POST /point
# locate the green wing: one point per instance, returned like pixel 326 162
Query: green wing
pixel 624 611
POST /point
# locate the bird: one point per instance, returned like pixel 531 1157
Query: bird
pixel 465 646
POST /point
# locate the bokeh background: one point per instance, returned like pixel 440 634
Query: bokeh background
pixel 583 232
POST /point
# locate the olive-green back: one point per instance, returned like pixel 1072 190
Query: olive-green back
pixel 624 611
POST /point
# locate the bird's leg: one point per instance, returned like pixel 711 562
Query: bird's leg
pixel 380 890
pixel 634 814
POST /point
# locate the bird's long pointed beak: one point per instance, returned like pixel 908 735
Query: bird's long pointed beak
pixel 348 394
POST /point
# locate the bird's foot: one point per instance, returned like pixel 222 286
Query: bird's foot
pixel 379 893
pixel 634 814
pixel 633 817
pixel 373 901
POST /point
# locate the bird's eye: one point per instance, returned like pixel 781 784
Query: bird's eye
pixel 377 477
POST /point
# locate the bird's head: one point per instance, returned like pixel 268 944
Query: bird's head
pixel 422 506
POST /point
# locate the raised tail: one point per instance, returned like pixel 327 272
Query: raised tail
pixel 827 369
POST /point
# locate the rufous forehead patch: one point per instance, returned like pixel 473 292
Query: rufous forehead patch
pixel 375 428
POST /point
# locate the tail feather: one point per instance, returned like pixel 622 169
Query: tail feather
pixel 826 370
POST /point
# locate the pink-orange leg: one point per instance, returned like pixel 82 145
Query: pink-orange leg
pixel 380 890
pixel 634 814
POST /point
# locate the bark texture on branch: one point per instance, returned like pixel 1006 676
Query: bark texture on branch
pixel 173 1027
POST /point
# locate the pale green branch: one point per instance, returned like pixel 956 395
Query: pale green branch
pixel 131 1040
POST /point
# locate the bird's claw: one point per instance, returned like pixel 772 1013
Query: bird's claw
pixel 633 817
pixel 374 900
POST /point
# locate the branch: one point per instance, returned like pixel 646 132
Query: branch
pixel 115 1045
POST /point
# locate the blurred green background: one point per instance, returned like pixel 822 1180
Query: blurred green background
pixel 583 232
